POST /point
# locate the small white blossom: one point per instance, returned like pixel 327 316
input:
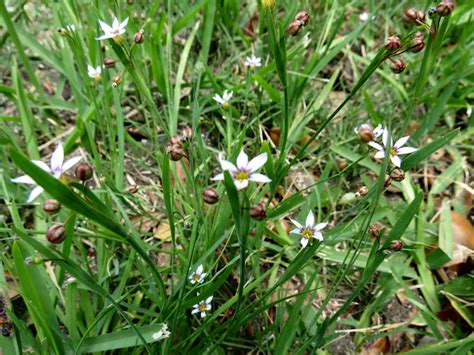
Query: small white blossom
pixel 394 149
pixel 94 72
pixel 377 131
pixel 224 100
pixel 253 62
pixel 202 307
pixel 70 28
pixel 57 167
pixel 309 230
pixel 163 333
pixel 113 31
pixel 364 16
pixel 245 171
pixel 197 276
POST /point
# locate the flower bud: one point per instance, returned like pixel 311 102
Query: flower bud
pixel 51 206
pixel 397 174
pixel 421 16
pixel 138 37
pixel 365 134
pixel 388 181
pixel 33 260
pixel 410 15
pixel 116 81
pixel 398 66
pixel 417 45
pixel 83 172
pixel 303 17
pixel 109 62
pixel 258 212
pixel 433 10
pixel 294 28
pixel 176 152
pixel 396 245
pixel 393 43
pixel 445 7
pixel 56 234
pixel 374 230
pixel 210 196
pixel 268 4
pixel 186 133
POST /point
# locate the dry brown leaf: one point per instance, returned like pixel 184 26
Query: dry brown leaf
pixel 380 346
pixel 463 231
pixel 163 232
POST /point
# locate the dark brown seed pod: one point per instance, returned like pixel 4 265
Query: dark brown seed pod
pixel 421 16
pixel 51 206
pixel 83 172
pixel 176 152
pixel 294 28
pixel 116 81
pixel 417 46
pixel 393 43
pixel 398 66
pixel 410 15
pixel 258 212
pixel 396 245
pixel 56 234
pixel 139 37
pixel 133 189
pixel 303 17
pixel 445 7
pixel 7 328
pixel 210 196
pixel 109 62
pixel 174 140
pixel 342 165
pixel 374 230
pixel 363 190
pixel 388 181
pixel 397 174
pixel 365 134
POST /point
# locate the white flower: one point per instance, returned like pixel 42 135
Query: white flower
pixel 364 16
pixel 112 31
pixel 202 307
pixel 71 28
pixel 309 230
pixel 224 100
pixel 163 333
pixel 94 72
pixel 197 276
pixel 253 62
pixel 244 171
pixel 394 149
pixel 377 131
pixel 56 169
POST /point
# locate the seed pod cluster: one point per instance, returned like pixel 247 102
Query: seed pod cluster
pixel 257 212
pixel 175 146
pixel 300 21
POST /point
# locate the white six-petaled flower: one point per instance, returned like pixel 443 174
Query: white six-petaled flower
pixel 57 167
pixel 197 276
pixel 377 131
pixel 309 230
pixel 163 333
pixel 113 31
pixel 245 171
pixel 202 307
pixel 224 100
pixel 253 62
pixel 94 72
pixel 394 150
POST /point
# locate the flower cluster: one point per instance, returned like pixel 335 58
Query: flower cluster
pixel 197 277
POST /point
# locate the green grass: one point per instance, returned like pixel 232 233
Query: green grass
pixel 121 275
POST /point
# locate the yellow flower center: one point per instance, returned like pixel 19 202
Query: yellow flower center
pixel 241 176
pixel 118 39
pixel 196 277
pixel 393 152
pixel 307 233
pixel 252 67
pixel 202 307
pixel 225 105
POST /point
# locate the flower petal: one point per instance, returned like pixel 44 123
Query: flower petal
pixel 310 219
pixel 259 178
pixel 115 24
pixel 242 160
pixel 379 155
pixel 296 231
pixel 378 131
pixel 105 36
pixel 203 314
pixel 318 236
pixel 218 177
pixel 226 165
pixel 257 162
pixel 106 28
pixel 298 224
pixel 376 146
pixel 38 190
pixel 24 179
pixel 41 165
pixel 57 158
pixel 199 270
pixel 401 142
pixel 195 310
pixel 304 242
pixel 70 163
pixel 320 226
pixel 209 299
pixel 241 184
pixel 396 160
pixel 123 23
pixel 218 99
pixel 406 150
pixel 385 138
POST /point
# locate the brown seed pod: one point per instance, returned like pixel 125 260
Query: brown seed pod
pixel 303 17
pixel 365 134
pixel 258 212
pixel 398 66
pixel 410 15
pixel 139 37
pixel 174 140
pixel 393 43
pixel 116 81
pixel 421 16
pixel 363 190
pixel 210 196
pixel 56 234
pixel 388 181
pixel 176 152
pixel 397 174
pixel 396 245
pixel 109 62
pixel 186 133
pixel 83 172
pixel 133 189
pixel 445 7
pixel 374 230
pixel 51 206
pixel 294 28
